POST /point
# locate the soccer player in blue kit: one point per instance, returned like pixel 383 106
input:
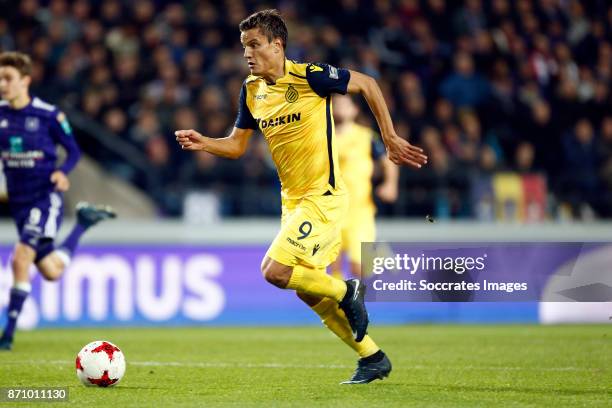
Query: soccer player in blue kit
pixel 30 130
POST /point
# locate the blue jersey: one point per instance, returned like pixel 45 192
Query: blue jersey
pixel 28 142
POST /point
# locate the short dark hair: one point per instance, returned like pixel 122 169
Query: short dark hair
pixel 17 60
pixel 269 22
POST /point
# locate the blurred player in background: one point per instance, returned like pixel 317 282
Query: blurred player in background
pixel 359 148
pixel 290 103
pixel 30 130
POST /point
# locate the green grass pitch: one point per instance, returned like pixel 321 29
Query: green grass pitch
pixel 438 366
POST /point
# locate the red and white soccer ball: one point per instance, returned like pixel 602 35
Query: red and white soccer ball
pixel 100 363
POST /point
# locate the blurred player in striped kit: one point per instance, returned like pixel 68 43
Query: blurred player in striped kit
pixel 30 130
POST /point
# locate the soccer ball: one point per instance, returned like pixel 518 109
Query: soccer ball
pixel 100 363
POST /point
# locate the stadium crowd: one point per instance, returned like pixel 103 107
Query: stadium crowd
pixel 483 86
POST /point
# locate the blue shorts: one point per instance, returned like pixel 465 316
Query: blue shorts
pixel 39 221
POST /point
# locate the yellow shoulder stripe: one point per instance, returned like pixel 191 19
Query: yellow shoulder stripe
pixel 314 68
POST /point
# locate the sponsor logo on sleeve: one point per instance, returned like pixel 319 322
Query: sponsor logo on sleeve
pixel 333 72
pixel 61 118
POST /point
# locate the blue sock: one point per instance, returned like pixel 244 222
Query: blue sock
pixel 72 240
pixel 18 296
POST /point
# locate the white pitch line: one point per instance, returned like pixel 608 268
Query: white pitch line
pixel 196 364
pixel 236 365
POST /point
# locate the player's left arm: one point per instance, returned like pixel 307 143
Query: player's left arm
pixel 61 132
pixel 400 151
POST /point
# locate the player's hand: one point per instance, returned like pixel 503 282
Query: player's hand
pixel 60 180
pixel 387 192
pixel 190 139
pixel 401 152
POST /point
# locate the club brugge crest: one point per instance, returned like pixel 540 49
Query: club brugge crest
pixel 291 95
pixel 31 124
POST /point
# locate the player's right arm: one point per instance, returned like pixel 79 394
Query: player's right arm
pixel 232 146
pixel 325 80
pixel 400 151
pixel 387 191
pixel 61 133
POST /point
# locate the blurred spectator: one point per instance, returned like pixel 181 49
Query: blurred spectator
pixel 605 140
pixel 605 158
pixel 488 160
pixel 464 87
pixel 580 179
pixel 524 158
pixel 541 131
pixel 163 188
pixel 470 18
pixel 6 39
pixel 483 85
pixel 116 121
pixel 202 173
pixel 146 127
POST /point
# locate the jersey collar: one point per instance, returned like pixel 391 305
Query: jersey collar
pixel 288 68
pixel 23 107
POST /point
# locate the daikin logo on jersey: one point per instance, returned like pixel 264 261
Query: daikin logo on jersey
pixel 280 120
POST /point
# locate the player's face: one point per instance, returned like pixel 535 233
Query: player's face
pixel 261 54
pixel 13 85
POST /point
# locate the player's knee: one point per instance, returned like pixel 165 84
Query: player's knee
pixel 21 261
pixel 49 270
pixel 51 276
pixel 276 276
pixel 51 267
